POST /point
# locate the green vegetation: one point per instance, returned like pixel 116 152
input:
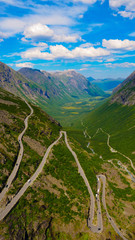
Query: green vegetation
pixel 119 122
pixel 63 167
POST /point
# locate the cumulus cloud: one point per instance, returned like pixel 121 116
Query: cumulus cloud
pixel 122 65
pixel 129 7
pixel 45 14
pixel 36 53
pixel 129 4
pixel 24 64
pixel 40 32
pixel 61 52
pixel 126 14
pixel 116 44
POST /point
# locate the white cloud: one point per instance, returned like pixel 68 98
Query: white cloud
pixel 132 34
pixel 129 7
pixel 52 15
pixel 81 16
pixel 36 53
pixel 86 45
pixel 24 64
pixel 122 65
pixel 83 69
pixel 89 2
pixel 61 52
pixel 43 45
pixel 126 14
pixel 11 26
pixel 11 2
pixel 86 1
pixel 117 44
pixel 40 32
pixel 3 35
pixel 129 4
pixel 110 60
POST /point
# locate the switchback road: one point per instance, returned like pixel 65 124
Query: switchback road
pixel 20 155
pixel 94 228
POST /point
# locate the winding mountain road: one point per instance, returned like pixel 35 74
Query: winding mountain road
pixel 28 183
pixel 103 178
pixel 20 155
pixel 112 149
pixel 94 228
pixel 99 227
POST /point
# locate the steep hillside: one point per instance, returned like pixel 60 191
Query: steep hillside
pixel 13 111
pixel 54 94
pixel 125 92
pixel 108 133
pixel 60 84
pixel 14 82
pixel 77 84
pixel 56 205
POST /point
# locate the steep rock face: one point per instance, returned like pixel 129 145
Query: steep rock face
pixel 77 83
pixel 125 92
pixel 128 79
pixel 16 83
pixel 63 83
pixel 44 79
pixel 59 86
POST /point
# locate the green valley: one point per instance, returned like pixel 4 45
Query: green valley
pixel 61 199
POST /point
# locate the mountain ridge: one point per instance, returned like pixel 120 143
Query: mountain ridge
pixel 106 84
pixel 73 82
pixel 124 93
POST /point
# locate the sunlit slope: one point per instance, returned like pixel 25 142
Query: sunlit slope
pixel 118 121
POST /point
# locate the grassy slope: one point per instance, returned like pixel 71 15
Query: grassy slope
pixel 119 122
pixel 56 206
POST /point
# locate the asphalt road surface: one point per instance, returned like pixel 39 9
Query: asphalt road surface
pixel 99 227
pixel 103 178
pixel 20 155
pixel 28 183
pixel 94 228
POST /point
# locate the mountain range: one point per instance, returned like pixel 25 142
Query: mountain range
pixel 56 205
pixel 106 84
pixel 60 86
pixel 53 92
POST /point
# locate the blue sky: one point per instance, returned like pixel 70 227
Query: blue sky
pixel 94 37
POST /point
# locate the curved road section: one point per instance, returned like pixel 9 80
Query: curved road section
pixel 28 183
pixel 94 228
pixel 20 155
pixel 103 178
pixel 99 227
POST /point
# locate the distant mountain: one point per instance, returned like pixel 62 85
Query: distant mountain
pixel 62 84
pixel 51 91
pixel 125 92
pixel 107 84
